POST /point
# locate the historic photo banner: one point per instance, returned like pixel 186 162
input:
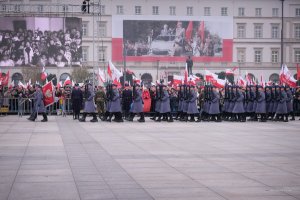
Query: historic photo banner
pixel 207 39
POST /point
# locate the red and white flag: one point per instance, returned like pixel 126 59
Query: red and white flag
pixel 21 84
pixel 213 78
pixel 12 84
pixel 67 81
pixel 286 76
pixel 4 79
pixel 136 80
pixel 241 82
pixel 128 71
pixel 189 32
pixel 48 93
pixel 177 80
pixel 262 81
pixel 59 84
pixel 201 31
pixel 44 74
pixel 113 72
pixel 231 71
pixel 186 75
pixel 101 75
pixel 28 84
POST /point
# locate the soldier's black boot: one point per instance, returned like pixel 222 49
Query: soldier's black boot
pixel 32 117
pixel 178 115
pixel 83 117
pixel 263 118
pixel 219 118
pixel 293 116
pixel 94 118
pixel 159 118
pixel 154 116
pixel 192 119
pixel 142 119
pixel 106 114
pixel 131 116
pixel 165 117
pixel 45 119
pixel 170 117
pixel 286 118
pixel 109 117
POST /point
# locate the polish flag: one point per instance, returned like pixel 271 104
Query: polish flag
pixel 213 78
pixel 189 32
pixel 44 74
pixel 262 81
pixel 241 82
pixel 128 71
pixel 136 80
pixel 177 80
pixel 29 83
pixel 231 71
pixel 101 75
pixel 59 84
pixel 186 74
pixel 286 76
pixel 298 72
pixel 67 81
pixel 21 84
pixel 113 72
pixel 48 93
pixel 4 79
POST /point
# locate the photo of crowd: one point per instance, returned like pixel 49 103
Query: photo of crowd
pixel 171 38
pixel 59 46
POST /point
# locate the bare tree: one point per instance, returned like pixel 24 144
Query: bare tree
pixel 31 73
pixel 80 74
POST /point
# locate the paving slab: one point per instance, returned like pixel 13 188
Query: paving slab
pixel 64 159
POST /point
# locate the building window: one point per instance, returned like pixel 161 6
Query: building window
pixel 258 31
pixel 275 56
pixel 85 54
pixel 297 55
pixel 65 8
pixel 101 29
pixel 102 9
pixel 241 30
pixel 138 10
pixel 84 28
pixel 3 7
pixel 207 11
pixel 257 56
pixel 297 12
pixel 274 78
pixel 241 55
pixel 40 8
pixel 258 12
pixel 172 10
pixel 297 31
pixel 275 31
pixel 101 54
pixel 155 10
pixel 224 11
pixel 275 12
pixel 17 8
pixel 241 12
pixel 189 11
pixel 120 10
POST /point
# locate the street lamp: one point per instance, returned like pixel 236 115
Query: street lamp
pixel 282 1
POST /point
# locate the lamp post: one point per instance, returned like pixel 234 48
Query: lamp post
pixel 282 4
pixel 124 62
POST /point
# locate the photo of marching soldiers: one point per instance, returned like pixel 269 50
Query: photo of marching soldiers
pixel 186 99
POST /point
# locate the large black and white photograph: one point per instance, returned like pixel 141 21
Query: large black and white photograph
pixel 40 41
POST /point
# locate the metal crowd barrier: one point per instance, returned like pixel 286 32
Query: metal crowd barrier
pixel 23 106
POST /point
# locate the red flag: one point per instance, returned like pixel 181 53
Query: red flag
pixel 201 31
pixel 177 80
pixel 298 72
pixel 189 31
pixel 48 93
pixel 67 81
pixel 5 79
pixel 286 76
pixel 44 74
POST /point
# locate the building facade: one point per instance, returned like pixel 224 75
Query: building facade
pixel 256 32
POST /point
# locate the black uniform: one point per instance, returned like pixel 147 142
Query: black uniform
pixel 77 98
pixel 126 101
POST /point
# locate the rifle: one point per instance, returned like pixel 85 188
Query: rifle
pixel 257 93
pixel 134 91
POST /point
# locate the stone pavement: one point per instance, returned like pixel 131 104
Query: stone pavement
pixel 64 159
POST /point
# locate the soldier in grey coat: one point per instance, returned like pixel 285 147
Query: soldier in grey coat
pixel 39 106
pixel 137 104
pixel 239 109
pixel 289 102
pixel 269 102
pixel 89 104
pixel 115 105
pixel 158 94
pixel 192 105
pixel 165 108
pixel 281 110
pixel 214 109
pixel 261 104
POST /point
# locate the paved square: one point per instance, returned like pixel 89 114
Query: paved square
pixel 65 159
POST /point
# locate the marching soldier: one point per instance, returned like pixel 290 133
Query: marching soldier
pixel 126 100
pixel 137 104
pixel 239 108
pixel 77 98
pixel 192 104
pixel 115 105
pixel 100 101
pixel 214 109
pixel 89 105
pixel 165 108
pixel 261 104
pixel 39 106
pixel 281 110
pixel 289 102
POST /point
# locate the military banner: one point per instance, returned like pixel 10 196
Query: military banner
pixel 48 93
